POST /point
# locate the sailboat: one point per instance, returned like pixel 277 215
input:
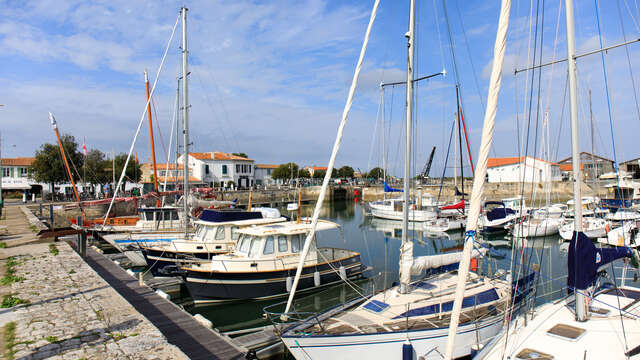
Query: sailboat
pixel 413 317
pixel 595 320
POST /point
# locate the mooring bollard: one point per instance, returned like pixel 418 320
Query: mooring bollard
pixel 79 241
pixel 83 244
pixel 40 210
pixel 51 216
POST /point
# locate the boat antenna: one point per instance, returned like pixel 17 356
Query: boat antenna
pixel 185 120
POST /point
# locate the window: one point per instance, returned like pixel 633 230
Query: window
pixel 268 246
pixel 206 169
pixel 244 244
pixel 6 172
pixel 224 169
pixel 234 233
pixel 269 171
pixel 220 233
pixel 295 243
pixel 255 246
pixel 23 172
pixel 283 246
pixel 237 168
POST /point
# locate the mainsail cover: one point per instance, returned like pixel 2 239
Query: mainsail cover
pixel 421 263
pixel 585 259
pixel 457 206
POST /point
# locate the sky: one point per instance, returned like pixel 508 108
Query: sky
pixel 271 78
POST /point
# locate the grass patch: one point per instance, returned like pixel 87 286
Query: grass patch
pixel 10 276
pixel 72 271
pixel 52 339
pixel 3 245
pixel 53 249
pixel 33 228
pixel 10 339
pixel 9 301
pixel 99 314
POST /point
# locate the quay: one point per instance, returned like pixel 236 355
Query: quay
pixel 57 306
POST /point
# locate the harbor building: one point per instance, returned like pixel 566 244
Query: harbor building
pixel 313 169
pixel 632 167
pixel 172 174
pixel 219 169
pixel 263 174
pixel 521 169
pixel 591 165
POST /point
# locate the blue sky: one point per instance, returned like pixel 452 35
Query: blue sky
pixel 270 78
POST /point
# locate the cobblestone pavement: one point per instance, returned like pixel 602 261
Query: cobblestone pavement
pixel 74 314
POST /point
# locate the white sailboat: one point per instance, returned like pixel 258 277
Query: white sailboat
pixel 593 322
pixel 412 317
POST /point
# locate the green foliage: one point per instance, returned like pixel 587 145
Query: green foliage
pixel 96 167
pixel 304 174
pixel 376 173
pixel 9 301
pixel 133 168
pixel 319 174
pixel 285 171
pixel 241 155
pixel 10 276
pixel 52 339
pixel 53 249
pixel 345 172
pixel 48 166
pixel 10 339
pixel 3 245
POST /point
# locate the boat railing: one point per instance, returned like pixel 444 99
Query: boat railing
pixel 312 310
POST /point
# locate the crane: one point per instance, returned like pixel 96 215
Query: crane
pixel 427 166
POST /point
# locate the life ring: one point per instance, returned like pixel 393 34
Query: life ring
pixel 414 207
pixel 607 228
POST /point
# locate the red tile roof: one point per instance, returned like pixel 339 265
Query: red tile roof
pixel 267 166
pixel 495 162
pixel 163 166
pixel 202 156
pixel 21 161
pixel 172 179
pixel 226 156
pixel 569 167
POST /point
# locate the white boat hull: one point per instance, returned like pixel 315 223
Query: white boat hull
pixel 592 227
pixel 414 215
pixel 536 228
pixel 428 343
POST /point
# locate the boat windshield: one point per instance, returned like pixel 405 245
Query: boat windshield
pixel 255 246
pixel 244 243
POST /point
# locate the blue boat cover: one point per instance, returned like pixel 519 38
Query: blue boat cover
pixel 387 188
pixel 585 259
pixel 213 215
pixel 499 213
pixel 473 300
pixel 376 306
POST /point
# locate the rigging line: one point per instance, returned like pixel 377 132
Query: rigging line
pixel 635 21
pixel 526 83
pixel 564 102
pixel 613 141
pixel 633 82
pixel 473 68
pixel 157 123
pixel 553 56
pixel 435 11
pixel 446 159
pixel 209 102
pixel 375 133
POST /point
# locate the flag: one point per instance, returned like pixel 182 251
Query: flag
pixel 84 147
pixel 136 157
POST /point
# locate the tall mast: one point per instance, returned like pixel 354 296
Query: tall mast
pixel 153 147
pixel 66 164
pixel 593 148
pixel 406 252
pixel 581 305
pixel 384 150
pixel 175 178
pixel 185 120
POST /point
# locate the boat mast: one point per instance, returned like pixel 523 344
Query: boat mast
pixel 66 164
pixel 406 251
pixel 593 148
pixel 460 140
pixel 481 171
pixel 581 304
pixel 153 147
pixel 384 150
pixel 185 121
pixel 175 178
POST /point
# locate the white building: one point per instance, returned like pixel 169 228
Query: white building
pixel 263 174
pixel 221 169
pixel 519 169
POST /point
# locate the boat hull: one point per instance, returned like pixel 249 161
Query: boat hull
pixel 389 345
pixel 211 287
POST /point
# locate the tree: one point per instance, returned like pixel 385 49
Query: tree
pixel 346 172
pixel 96 166
pixel 133 168
pixel 376 173
pixel 304 174
pixel 241 155
pixel 285 171
pixel 48 166
pixel 319 174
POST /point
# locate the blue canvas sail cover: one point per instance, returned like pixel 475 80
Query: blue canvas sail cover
pixel 585 259
pixel 387 188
